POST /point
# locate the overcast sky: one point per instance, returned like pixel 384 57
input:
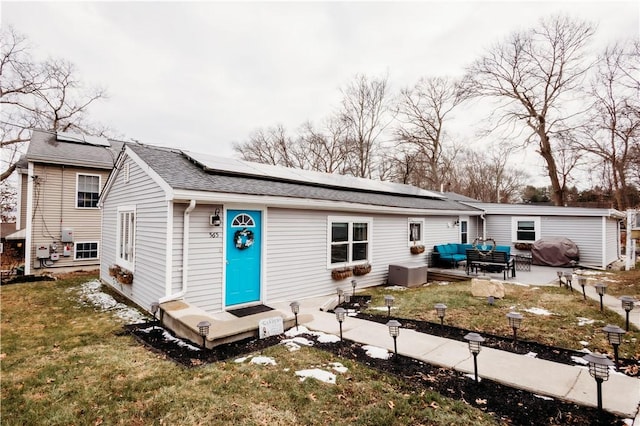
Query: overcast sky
pixel 202 75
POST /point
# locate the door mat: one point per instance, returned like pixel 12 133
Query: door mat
pixel 250 310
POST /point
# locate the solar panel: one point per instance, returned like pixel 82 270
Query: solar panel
pixel 246 168
pixel 79 138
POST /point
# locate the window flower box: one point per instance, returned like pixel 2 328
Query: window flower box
pixel 361 269
pixel 341 273
pixel 114 270
pixel 417 249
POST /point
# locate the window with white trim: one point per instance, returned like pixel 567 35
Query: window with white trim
pixel 125 241
pixel 416 230
pixel 86 250
pixel 464 231
pixel 349 240
pixel 525 229
pixel 87 191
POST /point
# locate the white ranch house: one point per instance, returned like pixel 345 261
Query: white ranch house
pixel 181 222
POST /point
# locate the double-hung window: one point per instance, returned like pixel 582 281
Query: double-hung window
pixel 416 230
pixel 350 240
pixel 126 237
pixel 87 191
pixel 525 229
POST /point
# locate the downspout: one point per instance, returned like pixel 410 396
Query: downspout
pixel 185 255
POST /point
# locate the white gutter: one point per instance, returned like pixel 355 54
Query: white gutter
pixel 185 255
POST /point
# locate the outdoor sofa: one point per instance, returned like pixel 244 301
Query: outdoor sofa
pixel 449 255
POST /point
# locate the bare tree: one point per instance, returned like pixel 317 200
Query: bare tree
pixel 272 146
pixel 45 95
pixel 324 148
pixel 613 132
pixel 422 113
pixel 364 113
pixel 531 75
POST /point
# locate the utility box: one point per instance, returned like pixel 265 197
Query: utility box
pixel 66 250
pixel 55 256
pixel 408 274
pixel 42 252
pixel 67 235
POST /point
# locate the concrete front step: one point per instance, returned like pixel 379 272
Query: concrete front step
pixel 183 318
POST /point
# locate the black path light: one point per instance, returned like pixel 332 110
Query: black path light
pixel 475 342
pixel 601 288
pixel 340 294
pixel 388 301
pixel 515 319
pixel 354 284
pixel 560 274
pixel 599 370
pixel 614 335
pixel 394 331
pixel 154 309
pixel 582 280
pixel 340 315
pixel 441 308
pixel 203 330
pixel 295 308
pixel 568 277
pixel 627 305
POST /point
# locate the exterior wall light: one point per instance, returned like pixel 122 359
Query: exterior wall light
pixel 216 220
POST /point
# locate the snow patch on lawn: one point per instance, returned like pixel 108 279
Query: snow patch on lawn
pixel 296 343
pixel 546 398
pixel 90 294
pixel 338 367
pixel 320 336
pixel 263 360
pixel 538 311
pixel 585 321
pixel 531 354
pixel 396 288
pixel 318 374
pixel 383 308
pixel 376 352
pixel 170 338
pixel 579 360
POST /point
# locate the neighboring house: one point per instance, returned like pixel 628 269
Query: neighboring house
pixel 223 233
pixel 61 177
pixel 596 232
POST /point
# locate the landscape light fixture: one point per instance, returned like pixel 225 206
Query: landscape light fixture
pixel 627 305
pixel 582 280
pixel 515 319
pixel 568 277
pixel 614 336
pixel 599 370
pixel 340 315
pixel 394 331
pixel 203 330
pixel 440 310
pixel 475 342
pixel 347 298
pixel 340 294
pixel 600 289
pixel 388 301
pixel 154 309
pixel 295 308
pixel 353 285
pixel 560 274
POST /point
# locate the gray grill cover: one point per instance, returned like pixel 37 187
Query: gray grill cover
pixel 554 251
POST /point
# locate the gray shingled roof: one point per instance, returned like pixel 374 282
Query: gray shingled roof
pixel 45 148
pixel 181 173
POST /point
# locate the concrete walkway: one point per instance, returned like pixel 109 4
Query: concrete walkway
pixel 621 393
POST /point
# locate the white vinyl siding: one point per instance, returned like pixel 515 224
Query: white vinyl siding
pixel 151 215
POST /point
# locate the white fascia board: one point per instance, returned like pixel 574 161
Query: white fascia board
pixel 308 204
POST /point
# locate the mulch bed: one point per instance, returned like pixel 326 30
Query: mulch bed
pixel 506 404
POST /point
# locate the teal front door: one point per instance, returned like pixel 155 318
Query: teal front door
pixel 244 237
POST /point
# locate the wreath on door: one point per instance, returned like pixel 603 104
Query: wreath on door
pixel 243 238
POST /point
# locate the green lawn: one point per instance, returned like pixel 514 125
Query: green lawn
pixel 64 362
